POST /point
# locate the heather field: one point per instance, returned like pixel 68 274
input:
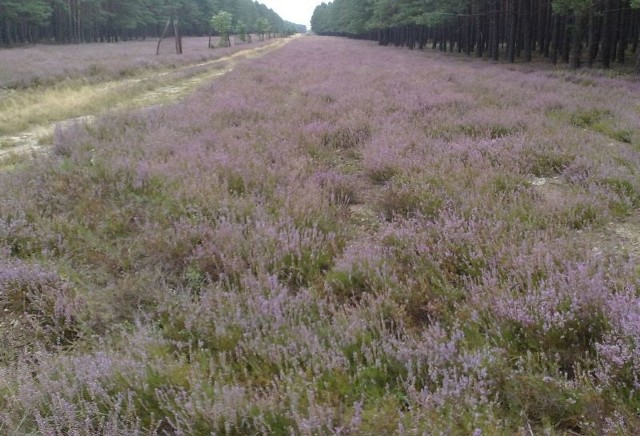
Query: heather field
pixel 48 64
pixel 334 238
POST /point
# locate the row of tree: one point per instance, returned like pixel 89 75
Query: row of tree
pixel 574 31
pixel 74 21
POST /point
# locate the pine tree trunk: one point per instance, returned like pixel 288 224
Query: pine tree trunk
pixel 477 28
pixel 615 5
pixel 513 21
pixel 548 30
pixel 622 40
pixel 566 40
pixel 576 42
pixel 526 29
pixel 635 32
pixel 444 38
pixel 594 36
pixel 494 24
pixel 164 33
pixel 555 40
pixel 541 26
pixel 468 35
pixel 178 37
pixel 607 31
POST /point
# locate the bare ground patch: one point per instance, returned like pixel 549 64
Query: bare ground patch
pixel 550 189
pixel 618 238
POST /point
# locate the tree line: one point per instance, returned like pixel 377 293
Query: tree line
pixel 76 21
pixel 577 32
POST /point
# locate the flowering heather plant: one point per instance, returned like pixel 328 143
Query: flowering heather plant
pixel 333 238
pixel 37 308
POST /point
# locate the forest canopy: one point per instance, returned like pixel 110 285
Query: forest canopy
pixel 573 31
pixel 74 21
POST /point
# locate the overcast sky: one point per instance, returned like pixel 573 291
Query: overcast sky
pixel 296 11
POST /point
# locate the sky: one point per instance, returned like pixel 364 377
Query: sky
pixel 296 11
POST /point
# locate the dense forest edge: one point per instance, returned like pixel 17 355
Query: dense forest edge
pixel 82 21
pixel 576 32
